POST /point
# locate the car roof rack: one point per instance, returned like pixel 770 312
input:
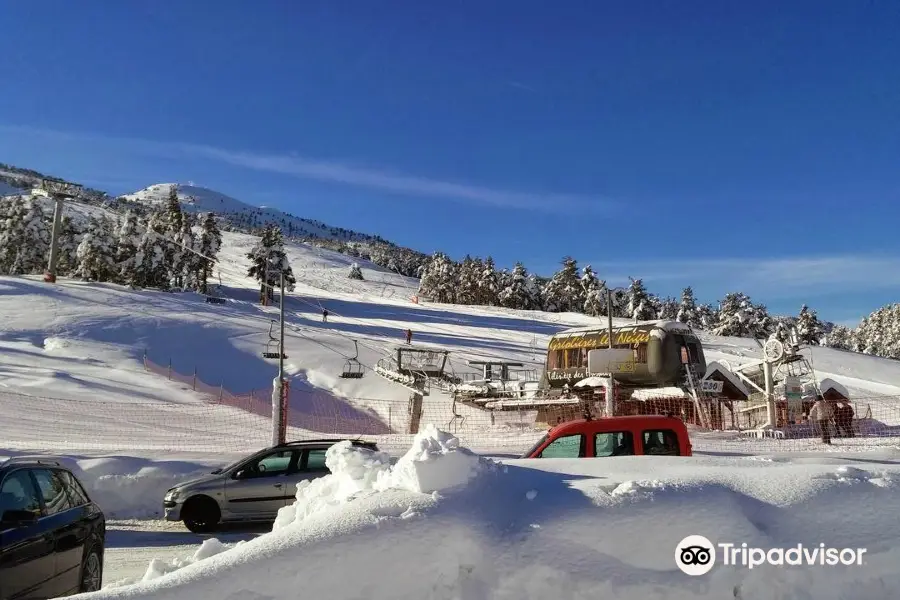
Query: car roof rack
pixel 41 460
pixel 357 440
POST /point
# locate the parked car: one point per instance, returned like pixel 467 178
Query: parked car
pixel 614 436
pixel 52 536
pixel 251 489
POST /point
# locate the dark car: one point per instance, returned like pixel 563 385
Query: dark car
pixel 51 534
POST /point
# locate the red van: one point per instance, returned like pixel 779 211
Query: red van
pixel 655 435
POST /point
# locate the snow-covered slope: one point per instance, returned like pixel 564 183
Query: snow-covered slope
pixel 199 199
pixel 7 189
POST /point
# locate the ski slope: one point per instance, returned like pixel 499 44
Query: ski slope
pixel 73 383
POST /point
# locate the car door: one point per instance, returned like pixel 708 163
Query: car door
pixel 70 529
pixel 259 488
pixel 27 556
pixel 311 465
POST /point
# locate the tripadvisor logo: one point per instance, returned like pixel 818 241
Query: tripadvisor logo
pixel 696 555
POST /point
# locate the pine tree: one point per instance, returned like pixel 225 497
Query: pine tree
pixel 210 244
pixel 96 252
pixel 809 328
pixel 468 279
pixel 707 317
pixel 35 240
pixel 594 293
pixel 840 337
pixel 184 269
pixel 516 294
pixel 438 279
pixel 268 260
pixel 70 236
pixel 687 309
pixel 734 315
pixel 128 238
pixel 639 305
pixel 12 233
pixel 563 292
pixel 488 287
pixel 355 272
pixel 152 268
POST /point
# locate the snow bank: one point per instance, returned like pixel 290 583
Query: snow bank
pixel 208 548
pixel 127 487
pixel 558 528
pixel 434 463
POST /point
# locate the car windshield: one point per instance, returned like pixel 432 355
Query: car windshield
pixel 229 466
pixel 536 445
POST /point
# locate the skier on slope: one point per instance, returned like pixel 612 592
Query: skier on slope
pixel 324 315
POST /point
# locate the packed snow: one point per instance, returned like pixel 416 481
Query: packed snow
pixel 460 526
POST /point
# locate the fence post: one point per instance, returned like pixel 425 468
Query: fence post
pixel 221 388
pixel 390 422
pixel 170 368
pixel 195 379
pixel 145 359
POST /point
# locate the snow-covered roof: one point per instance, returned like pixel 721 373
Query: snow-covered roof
pixel 829 383
pixel 730 376
pixel 663 324
pixel 658 393
pixel 592 381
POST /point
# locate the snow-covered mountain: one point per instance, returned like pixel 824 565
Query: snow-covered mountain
pixel 242 215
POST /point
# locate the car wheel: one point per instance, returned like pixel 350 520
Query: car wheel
pixel 91 571
pixel 201 515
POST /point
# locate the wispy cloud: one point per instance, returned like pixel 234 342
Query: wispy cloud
pixel 521 86
pixel 336 172
pixel 774 277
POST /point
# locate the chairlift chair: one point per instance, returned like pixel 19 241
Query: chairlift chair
pixel 215 300
pixel 272 346
pixel 352 368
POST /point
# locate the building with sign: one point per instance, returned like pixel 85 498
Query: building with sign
pixel 660 350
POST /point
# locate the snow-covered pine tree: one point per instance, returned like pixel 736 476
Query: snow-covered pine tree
pixel 128 238
pixel 268 260
pixel 504 280
pixel 594 293
pixel 563 292
pixel 69 238
pixel 488 286
pixel 840 337
pixel 809 328
pixel 96 251
pixel 174 223
pixel 439 279
pixel 687 309
pixel 35 240
pixel 639 305
pixel 12 226
pixel 707 317
pixel 535 291
pixel 735 316
pixel 355 272
pixel 515 294
pixel 210 244
pixel 668 308
pixel 468 275
pixel 151 266
pixel 184 269
pixel 760 324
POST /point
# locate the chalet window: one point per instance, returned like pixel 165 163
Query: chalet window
pixel 553 359
pixel 573 358
pixel 640 353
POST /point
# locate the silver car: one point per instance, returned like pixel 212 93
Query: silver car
pixel 251 489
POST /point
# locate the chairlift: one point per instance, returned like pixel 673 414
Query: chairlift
pixel 272 346
pixel 352 368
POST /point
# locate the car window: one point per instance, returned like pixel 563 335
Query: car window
pixel 568 446
pixel 76 491
pixel 614 443
pixel 19 493
pixel 661 442
pixel 52 490
pixel 276 463
pixel 315 460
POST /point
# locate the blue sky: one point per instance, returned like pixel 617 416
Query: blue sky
pixel 724 145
